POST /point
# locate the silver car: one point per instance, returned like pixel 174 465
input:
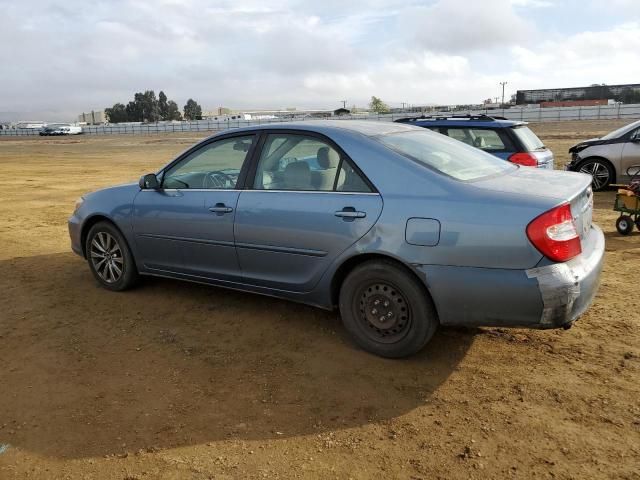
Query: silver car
pixel 399 228
pixel 607 159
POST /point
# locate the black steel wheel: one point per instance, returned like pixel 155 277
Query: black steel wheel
pixel 109 257
pixel 624 225
pixel 386 309
pixel 601 172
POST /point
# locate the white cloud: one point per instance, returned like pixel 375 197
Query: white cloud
pixel 582 59
pixel 460 25
pixel 60 58
pixel 532 3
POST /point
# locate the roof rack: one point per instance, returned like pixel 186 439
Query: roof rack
pixel 480 117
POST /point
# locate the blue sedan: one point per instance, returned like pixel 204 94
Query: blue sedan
pixel 400 228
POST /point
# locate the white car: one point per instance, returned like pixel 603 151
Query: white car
pixel 60 129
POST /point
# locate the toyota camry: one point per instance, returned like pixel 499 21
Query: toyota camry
pixel 399 228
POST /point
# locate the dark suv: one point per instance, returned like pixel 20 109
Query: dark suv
pixel 508 139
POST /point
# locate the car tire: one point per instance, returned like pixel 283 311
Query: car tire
pixel 386 309
pixel 109 257
pixel 624 225
pixel 600 170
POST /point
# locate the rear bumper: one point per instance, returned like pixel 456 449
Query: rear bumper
pixel 549 296
pixel 567 289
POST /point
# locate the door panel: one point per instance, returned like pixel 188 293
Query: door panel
pixel 187 225
pixel 287 240
pixel 176 231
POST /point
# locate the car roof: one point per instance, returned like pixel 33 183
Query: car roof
pixel 462 121
pixel 369 128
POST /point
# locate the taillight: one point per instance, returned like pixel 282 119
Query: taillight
pixel 554 233
pixel 523 158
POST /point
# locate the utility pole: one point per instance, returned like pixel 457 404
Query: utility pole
pixel 344 104
pixel 503 84
pixel 403 104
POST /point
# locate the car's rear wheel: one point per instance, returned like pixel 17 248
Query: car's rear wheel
pixel 386 309
pixel 110 258
pixel 601 172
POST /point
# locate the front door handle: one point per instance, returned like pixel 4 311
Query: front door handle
pixel 348 214
pixel 220 209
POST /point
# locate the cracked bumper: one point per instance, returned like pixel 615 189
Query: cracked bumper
pixel 567 289
pixel 548 296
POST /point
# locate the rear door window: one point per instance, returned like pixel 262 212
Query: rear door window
pixel 305 163
pixel 482 138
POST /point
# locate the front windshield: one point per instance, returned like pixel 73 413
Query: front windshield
pixel 448 156
pixel 621 131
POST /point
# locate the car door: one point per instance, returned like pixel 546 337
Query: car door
pixel 306 204
pixel 630 153
pixel 186 226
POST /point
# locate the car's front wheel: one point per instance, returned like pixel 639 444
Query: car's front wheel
pixel 109 257
pixel 601 172
pixel 386 309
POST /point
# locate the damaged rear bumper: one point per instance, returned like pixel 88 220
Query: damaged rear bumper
pixel 551 295
pixel 567 289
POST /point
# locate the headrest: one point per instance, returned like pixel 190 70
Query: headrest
pixel 297 176
pixel 479 142
pixel 327 158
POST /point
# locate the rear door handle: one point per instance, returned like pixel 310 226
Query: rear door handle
pixel 349 213
pixel 220 209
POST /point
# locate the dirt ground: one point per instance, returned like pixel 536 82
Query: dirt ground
pixel 174 380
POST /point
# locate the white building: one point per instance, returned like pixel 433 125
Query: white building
pixel 93 117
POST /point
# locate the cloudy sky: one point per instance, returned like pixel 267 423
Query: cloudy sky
pixel 59 58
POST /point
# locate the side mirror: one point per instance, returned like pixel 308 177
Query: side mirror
pixel 149 182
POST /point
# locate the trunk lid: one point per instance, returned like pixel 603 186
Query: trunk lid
pixel 556 186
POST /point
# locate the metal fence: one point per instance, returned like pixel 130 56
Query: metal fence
pixel 599 112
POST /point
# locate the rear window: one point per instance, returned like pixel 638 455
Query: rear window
pixel 445 155
pixel 529 140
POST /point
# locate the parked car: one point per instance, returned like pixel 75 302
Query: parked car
pixel 608 158
pixel 60 129
pixel 400 228
pixel 506 139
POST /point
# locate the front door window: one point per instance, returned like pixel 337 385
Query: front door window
pixel 216 165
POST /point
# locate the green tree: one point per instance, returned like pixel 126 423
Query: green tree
pixel 117 113
pixel 378 105
pixel 134 111
pixel 173 112
pixel 192 111
pixel 163 106
pixel 150 107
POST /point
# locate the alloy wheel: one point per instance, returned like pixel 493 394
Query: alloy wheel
pixel 599 172
pixel 106 257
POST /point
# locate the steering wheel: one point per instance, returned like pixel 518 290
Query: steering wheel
pixel 219 179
